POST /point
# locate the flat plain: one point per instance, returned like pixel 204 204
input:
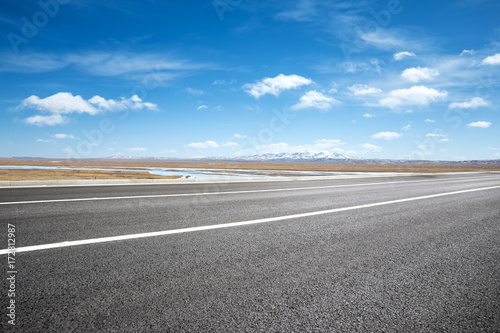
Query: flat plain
pixel 33 174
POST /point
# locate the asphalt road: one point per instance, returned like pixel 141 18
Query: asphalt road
pixel 402 254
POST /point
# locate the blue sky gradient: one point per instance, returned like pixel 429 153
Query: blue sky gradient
pixel 375 79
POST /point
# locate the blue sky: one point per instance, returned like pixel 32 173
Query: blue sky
pixel 375 79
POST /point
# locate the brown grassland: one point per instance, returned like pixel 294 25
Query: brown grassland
pixel 32 174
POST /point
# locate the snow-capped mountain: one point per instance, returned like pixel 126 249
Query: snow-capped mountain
pixel 300 156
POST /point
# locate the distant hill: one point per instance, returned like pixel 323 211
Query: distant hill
pixel 310 157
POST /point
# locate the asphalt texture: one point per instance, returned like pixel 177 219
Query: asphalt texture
pixel 426 265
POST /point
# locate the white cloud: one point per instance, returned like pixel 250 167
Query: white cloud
pixel 60 103
pixel 204 145
pixel 480 124
pixel 275 85
pixel 195 92
pixel 363 89
pixel 492 60
pixel 327 143
pixel 151 69
pixel 42 140
pixel 121 63
pixel 429 121
pixel 136 149
pixel 350 67
pixel 55 119
pixel 474 103
pixel 383 39
pixel 406 128
pixel 230 144
pixel 386 135
pixel 223 82
pixel 464 52
pixel 367 115
pixel 401 55
pixel 416 95
pixel 274 148
pixel 66 103
pixel 201 107
pixel 435 135
pixel 370 147
pixel 133 102
pixel 315 99
pixel 318 146
pixel 303 12
pixel 239 136
pixel 417 74
pixel 63 136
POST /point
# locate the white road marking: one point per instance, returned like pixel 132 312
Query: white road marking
pixel 236 192
pixel 230 225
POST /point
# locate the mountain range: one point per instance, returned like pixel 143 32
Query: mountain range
pixel 313 157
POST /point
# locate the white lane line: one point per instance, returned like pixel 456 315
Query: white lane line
pixel 237 192
pixel 230 225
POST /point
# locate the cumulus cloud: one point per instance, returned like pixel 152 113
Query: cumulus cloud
pixel 401 55
pixel 480 124
pixel 367 115
pixel 474 103
pixel 60 103
pixel 370 147
pixel 386 135
pixel 464 52
pixel 492 60
pixel 417 74
pixel 55 119
pixel 133 102
pixel 136 149
pixel 239 136
pixel 416 95
pixel 363 89
pixel 203 145
pixel 441 137
pixel 65 103
pixel 276 85
pixel 315 99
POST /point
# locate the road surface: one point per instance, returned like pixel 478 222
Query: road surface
pixel 416 254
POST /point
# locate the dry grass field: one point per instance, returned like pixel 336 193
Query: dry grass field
pixel 32 174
